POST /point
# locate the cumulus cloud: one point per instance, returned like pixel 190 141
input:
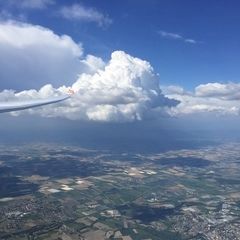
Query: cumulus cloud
pixel 230 91
pixel 32 56
pixel 125 89
pixel 215 98
pixel 79 12
pixel 176 36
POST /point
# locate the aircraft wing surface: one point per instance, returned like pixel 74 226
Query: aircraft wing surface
pixel 22 105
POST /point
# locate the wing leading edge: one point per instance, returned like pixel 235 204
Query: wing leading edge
pixel 22 105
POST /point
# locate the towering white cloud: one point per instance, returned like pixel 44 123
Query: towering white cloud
pixel 126 89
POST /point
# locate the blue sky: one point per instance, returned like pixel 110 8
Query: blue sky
pixel 135 29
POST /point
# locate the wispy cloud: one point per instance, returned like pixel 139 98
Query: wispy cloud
pixel 170 35
pixel 28 4
pixel 15 10
pixel 79 12
pixel 6 15
pixel 36 4
pixel 176 36
pixel 188 40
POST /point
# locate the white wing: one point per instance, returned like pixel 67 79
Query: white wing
pixel 22 105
